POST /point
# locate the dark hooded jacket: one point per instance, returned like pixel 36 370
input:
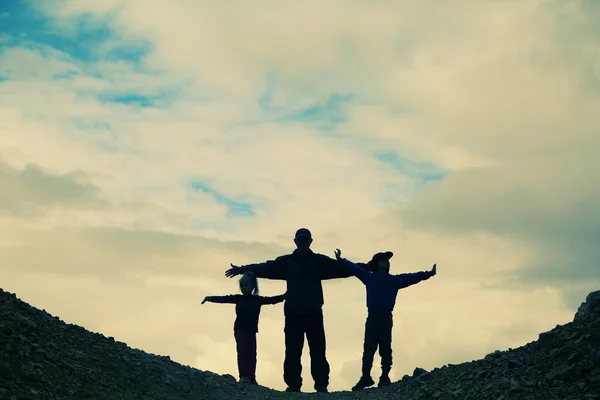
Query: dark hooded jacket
pixel 303 274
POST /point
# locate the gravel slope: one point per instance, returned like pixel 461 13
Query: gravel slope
pixel 41 357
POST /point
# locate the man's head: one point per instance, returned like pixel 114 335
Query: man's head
pixel 380 262
pixel 303 240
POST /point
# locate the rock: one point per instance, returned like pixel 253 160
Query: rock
pixel 595 357
pixel 426 376
pixel 559 372
pixel 495 355
pixel 575 358
pixel 418 372
pixel 482 374
pixel 589 311
pixel 514 384
pixel 26 321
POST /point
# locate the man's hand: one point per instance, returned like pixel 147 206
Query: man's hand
pixel 205 300
pixel 433 270
pixel 338 254
pixel 233 271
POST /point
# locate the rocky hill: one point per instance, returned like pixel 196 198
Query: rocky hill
pixel 42 357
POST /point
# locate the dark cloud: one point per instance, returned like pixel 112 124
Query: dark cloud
pixel 31 190
pixel 550 210
pixel 112 253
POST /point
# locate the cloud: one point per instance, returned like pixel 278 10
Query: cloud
pixel 32 189
pixel 529 116
pixel 150 144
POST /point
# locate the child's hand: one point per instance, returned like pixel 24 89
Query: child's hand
pixel 433 270
pixel 338 254
pixel 205 300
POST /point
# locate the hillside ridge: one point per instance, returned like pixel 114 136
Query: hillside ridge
pixel 43 357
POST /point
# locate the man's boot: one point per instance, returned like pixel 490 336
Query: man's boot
pixel 364 382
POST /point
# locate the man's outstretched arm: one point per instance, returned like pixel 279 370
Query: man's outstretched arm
pixel 351 269
pixel 272 269
pixel 409 279
pixel 333 269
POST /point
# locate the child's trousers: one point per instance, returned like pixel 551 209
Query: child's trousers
pixel 246 353
pixel 378 333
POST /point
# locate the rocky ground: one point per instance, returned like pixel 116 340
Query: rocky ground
pixel 41 357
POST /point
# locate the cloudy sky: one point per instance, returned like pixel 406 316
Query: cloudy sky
pixel 146 145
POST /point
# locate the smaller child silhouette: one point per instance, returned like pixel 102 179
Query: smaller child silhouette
pixel 382 289
pixel 247 309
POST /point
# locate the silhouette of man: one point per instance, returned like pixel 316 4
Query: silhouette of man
pixel 303 271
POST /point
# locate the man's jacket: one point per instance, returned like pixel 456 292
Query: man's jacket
pixel 303 274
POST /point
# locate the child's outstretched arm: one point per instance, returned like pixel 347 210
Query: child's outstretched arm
pixel 273 299
pixel 358 271
pixel 409 279
pixel 228 299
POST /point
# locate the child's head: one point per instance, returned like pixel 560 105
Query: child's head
pixel 380 262
pixel 249 283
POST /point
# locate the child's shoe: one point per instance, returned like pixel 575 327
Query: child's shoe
pixel 384 380
pixel 364 382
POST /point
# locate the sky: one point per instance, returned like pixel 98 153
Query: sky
pixel 145 146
